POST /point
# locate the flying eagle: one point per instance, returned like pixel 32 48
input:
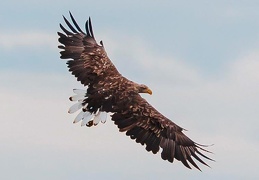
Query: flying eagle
pixel 108 91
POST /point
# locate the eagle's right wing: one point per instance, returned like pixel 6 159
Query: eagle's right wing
pixel 89 60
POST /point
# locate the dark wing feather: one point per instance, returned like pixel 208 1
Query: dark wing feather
pixel 75 23
pixel 147 126
pixel 89 61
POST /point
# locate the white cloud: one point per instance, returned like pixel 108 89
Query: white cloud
pixel 136 53
pixel 37 129
pixel 32 39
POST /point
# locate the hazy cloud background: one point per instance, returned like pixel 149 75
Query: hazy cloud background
pixel 199 58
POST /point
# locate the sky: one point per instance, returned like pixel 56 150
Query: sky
pixel 200 58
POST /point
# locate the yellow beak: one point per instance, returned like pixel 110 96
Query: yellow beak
pixel 148 91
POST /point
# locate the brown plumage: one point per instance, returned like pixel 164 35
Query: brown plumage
pixel 109 91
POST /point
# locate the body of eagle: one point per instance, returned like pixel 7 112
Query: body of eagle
pixel 109 91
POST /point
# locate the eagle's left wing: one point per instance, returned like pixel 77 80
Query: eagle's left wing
pixel 146 125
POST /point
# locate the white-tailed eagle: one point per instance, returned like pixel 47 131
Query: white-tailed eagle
pixel 108 91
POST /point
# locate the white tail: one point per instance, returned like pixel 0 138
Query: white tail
pixel 84 115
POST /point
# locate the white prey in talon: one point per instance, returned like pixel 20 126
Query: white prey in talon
pixel 87 118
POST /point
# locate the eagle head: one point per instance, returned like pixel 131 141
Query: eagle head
pixel 144 89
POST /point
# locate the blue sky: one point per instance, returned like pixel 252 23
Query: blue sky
pixel 201 60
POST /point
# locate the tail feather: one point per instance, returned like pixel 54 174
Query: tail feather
pixel 75 107
pixel 87 118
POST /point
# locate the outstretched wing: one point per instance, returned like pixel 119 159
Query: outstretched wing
pixel 89 60
pixel 147 126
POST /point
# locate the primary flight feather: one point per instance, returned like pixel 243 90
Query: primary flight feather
pixel 109 91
